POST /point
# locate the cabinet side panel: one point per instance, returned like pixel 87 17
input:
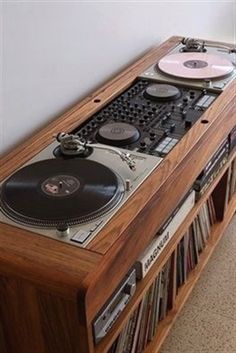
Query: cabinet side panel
pixel 2 340
pixel 20 317
pixel 59 324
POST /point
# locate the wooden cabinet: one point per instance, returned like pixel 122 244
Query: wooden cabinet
pixel 50 292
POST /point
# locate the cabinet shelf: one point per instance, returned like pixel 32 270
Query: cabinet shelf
pixel 165 325
pixel 142 286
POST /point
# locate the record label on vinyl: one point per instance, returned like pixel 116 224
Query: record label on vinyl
pixel 195 65
pixel 60 185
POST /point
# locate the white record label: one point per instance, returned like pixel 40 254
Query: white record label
pixel 195 65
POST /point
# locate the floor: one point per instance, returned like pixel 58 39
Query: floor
pixel 207 323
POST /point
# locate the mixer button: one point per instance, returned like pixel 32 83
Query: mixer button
pixel 143 144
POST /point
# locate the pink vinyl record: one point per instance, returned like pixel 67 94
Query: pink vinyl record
pixel 195 65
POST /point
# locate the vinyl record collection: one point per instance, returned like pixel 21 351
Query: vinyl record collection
pixel 231 187
pixel 160 297
pixel 194 241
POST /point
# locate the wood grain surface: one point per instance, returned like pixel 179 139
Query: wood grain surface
pixel 62 287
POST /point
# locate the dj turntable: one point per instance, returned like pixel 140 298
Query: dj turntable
pixel 196 64
pixel 72 188
pixel 71 197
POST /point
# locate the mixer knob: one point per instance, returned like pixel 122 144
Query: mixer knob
pixel 141 121
pixel 192 94
pixel 164 120
pixel 185 100
pixel 152 135
pixel 143 145
pixel 172 127
pixel 166 133
pixel 172 108
pixel 184 113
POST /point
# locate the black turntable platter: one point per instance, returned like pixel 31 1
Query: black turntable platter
pixel 162 92
pixel 118 134
pixel 53 192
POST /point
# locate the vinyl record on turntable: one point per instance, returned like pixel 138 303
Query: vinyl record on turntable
pixel 195 65
pixel 53 192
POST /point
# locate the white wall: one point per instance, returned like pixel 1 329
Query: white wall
pixel 56 52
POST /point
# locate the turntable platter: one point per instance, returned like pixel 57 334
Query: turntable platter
pixel 54 192
pixel 195 65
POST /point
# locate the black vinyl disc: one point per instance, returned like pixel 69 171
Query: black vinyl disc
pixel 53 192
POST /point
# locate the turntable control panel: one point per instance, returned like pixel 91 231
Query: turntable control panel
pixel 149 117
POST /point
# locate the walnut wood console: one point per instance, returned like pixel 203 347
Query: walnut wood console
pixel 50 292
